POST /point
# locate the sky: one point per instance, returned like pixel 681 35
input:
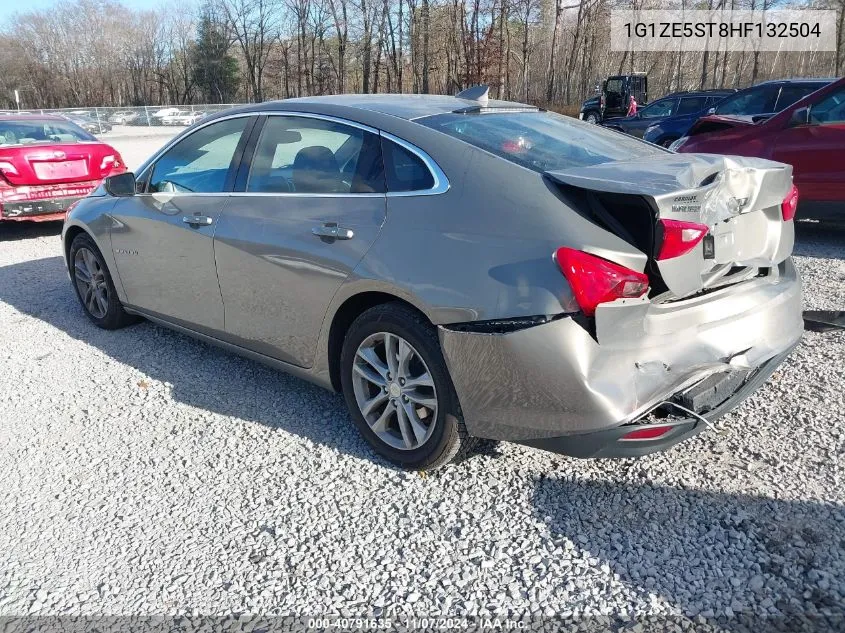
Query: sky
pixel 10 7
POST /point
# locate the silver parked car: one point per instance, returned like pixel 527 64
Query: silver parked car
pixel 458 268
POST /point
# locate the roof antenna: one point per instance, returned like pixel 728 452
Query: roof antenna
pixel 475 93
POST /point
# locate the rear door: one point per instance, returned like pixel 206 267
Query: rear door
pixel 309 204
pixel 815 150
pixel 162 240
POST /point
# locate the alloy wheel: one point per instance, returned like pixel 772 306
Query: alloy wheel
pixel 91 282
pixel 394 390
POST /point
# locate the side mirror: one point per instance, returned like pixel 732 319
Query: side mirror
pixel 121 185
pixel 801 116
pixel 711 111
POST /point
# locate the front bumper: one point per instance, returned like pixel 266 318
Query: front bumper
pixel 556 380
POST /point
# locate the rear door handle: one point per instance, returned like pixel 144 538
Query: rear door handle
pixel 197 220
pixel 333 231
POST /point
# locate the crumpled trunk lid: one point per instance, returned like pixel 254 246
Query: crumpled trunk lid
pixel 737 198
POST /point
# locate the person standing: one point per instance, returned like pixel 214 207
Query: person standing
pixel 632 106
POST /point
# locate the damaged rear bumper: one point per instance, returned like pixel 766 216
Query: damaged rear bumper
pixel 558 387
pixel 42 203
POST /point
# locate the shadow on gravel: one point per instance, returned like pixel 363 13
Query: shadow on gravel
pixel 199 374
pixel 824 240
pixel 779 565
pixel 11 231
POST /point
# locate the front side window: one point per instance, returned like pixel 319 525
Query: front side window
pixel 791 94
pixel 200 162
pixel 311 155
pixel 665 107
pixel 759 100
pixel 541 141
pixel 689 105
pixel 829 110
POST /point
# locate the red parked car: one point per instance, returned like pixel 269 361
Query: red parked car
pixel 809 135
pixel 47 163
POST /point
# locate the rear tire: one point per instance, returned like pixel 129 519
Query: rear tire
pixel 425 403
pixel 94 286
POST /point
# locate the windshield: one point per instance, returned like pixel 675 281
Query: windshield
pixel 541 141
pixel 29 132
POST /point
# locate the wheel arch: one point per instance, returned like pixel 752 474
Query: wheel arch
pixel 99 231
pixel 69 235
pixel 345 314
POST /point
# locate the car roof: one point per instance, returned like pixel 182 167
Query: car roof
pixel 31 116
pixel 13 116
pixel 404 106
pixel 803 80
pixel 699 93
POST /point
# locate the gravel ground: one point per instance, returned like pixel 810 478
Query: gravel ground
pixel 146 473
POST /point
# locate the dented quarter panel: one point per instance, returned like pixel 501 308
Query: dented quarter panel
pixel 556 379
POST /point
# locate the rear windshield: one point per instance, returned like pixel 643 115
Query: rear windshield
pixel 29 132
pixel 542 141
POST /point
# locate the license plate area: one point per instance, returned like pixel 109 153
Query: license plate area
pixel 55 170
pixel 712 391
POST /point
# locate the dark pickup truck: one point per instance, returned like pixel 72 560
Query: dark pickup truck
pixel 612 100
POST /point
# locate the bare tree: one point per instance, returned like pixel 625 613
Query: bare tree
pixel 254 25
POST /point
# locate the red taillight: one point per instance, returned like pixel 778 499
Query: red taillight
pixel 595 280
pixel 7 168
pixel 646 433
pixel 790 204
pixel 679 238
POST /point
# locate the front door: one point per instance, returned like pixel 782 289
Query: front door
pixel 162 239
pixel 312 205
pixel 815 150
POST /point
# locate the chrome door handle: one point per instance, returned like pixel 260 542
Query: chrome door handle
pixel 199 220
pixel 333 231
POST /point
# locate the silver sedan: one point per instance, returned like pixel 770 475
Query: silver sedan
pixel 458 267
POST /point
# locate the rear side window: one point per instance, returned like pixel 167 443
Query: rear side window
pixel 541 141
pixel 199 163
pixel 690 105
pixel 404 170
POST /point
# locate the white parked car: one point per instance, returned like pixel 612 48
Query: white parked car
pixel 175 118
pixel 158 117
pixel 191 118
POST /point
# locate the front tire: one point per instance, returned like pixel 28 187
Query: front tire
pixel 398 389
pixel 666 142
pixel 94 286
pixel 591 117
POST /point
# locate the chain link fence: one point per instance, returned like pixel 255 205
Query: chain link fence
pixel 102 120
